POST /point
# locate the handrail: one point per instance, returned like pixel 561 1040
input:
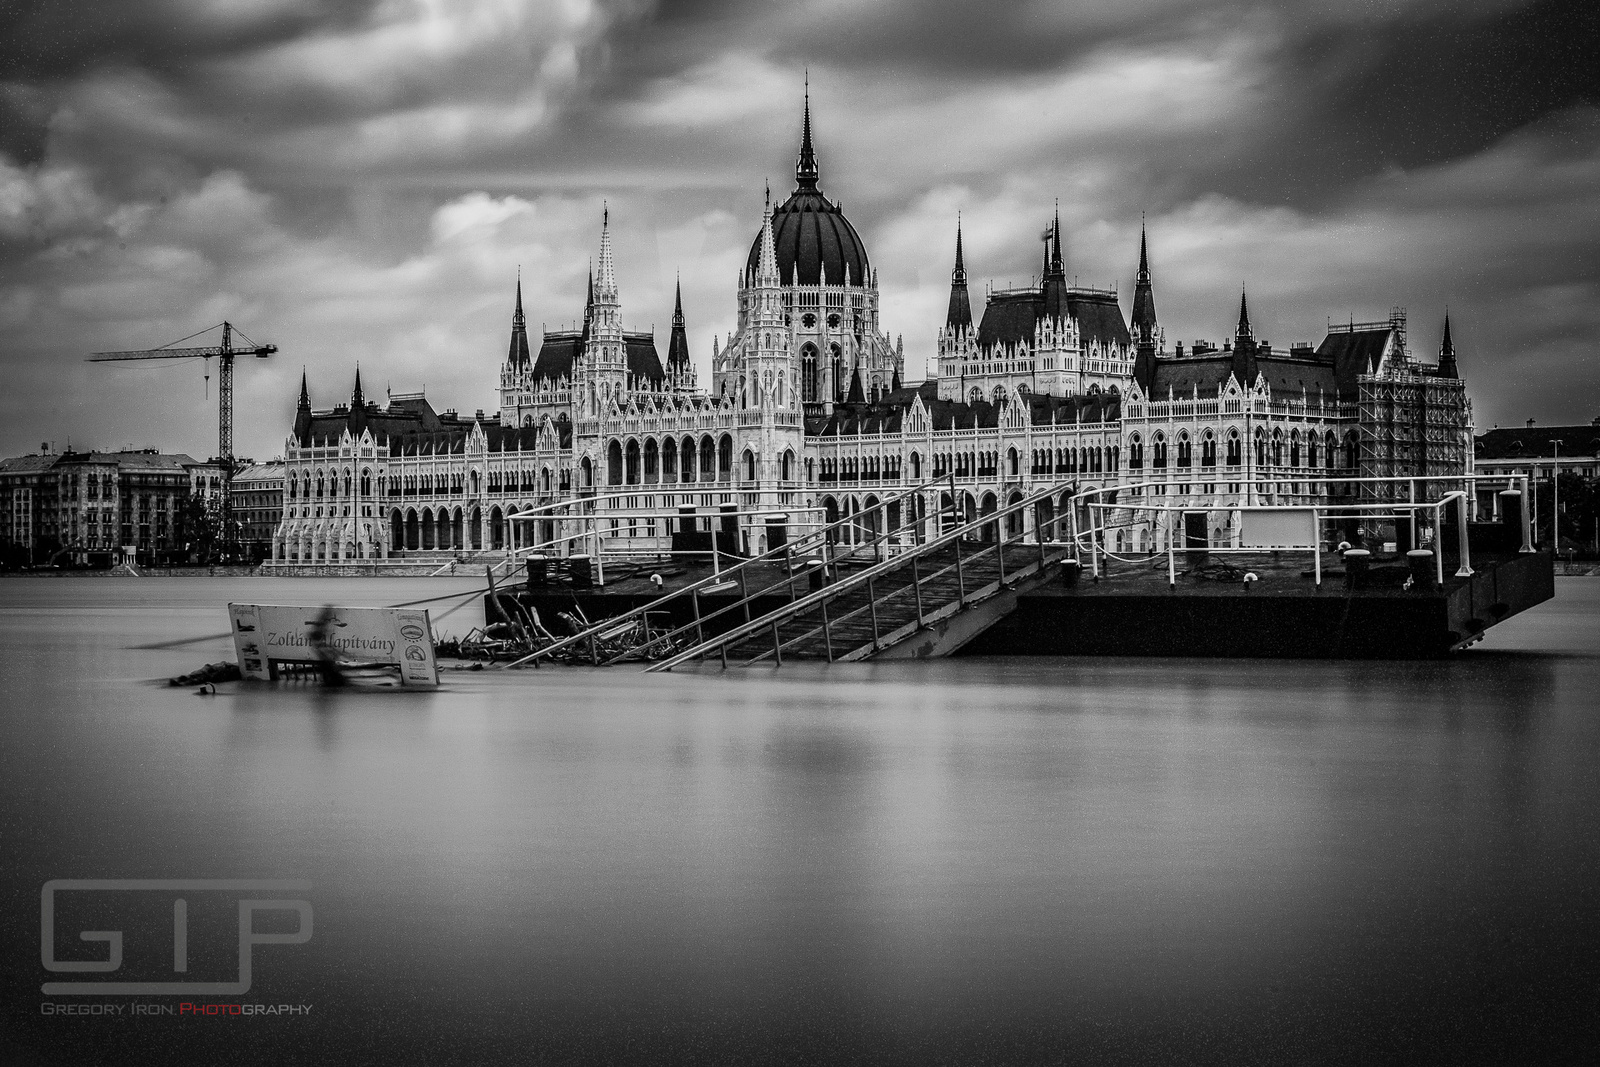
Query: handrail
pixel 861 577
pixel 786 551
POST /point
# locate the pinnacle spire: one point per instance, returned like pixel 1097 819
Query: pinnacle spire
pixel 960 313
pixel 1056 264
pixel 608 269
pixel 357 399
pixel 677 306
pixel 1244 316
pixel 1447 353
pixel 805 172
pixel 305 392
pixel 1143 321
pixel 767 264
pixel 518 355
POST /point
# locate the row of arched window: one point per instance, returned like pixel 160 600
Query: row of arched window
pixel 1079 460
pixel 1277 449
pixel 873 468
pixel 320 483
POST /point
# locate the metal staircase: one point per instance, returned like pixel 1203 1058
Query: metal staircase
pixel 923 602
pixel 827 551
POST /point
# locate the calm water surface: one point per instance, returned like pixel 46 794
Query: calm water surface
pixel 977 861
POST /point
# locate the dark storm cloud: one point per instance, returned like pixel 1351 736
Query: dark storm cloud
pixel 362 180
pixel 45 43
pixel 1433 86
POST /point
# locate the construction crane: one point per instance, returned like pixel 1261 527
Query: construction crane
pixel 225 353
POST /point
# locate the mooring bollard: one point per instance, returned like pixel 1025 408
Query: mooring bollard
pixel 1071 571
pixel 1356 562
pixel 538 571
pixel 1420 560
pixel 582 571
pixel 815 576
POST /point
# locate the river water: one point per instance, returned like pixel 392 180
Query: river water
pixel 970 861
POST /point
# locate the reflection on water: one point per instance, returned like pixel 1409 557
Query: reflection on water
pixel 1001 860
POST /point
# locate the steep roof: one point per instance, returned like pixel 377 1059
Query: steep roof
pixel 1354 352
pixel 1010 318
pixel 561 350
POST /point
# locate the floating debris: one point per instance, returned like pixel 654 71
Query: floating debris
pixel 211 673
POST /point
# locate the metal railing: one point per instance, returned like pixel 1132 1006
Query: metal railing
pixel 868 577
pixel 786 553
pixel 1097 507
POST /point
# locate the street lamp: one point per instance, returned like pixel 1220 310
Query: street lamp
pixel 1555 501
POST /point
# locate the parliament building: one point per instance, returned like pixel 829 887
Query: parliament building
pixel 807 417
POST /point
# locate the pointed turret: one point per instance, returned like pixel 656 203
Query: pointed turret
pixel 805 171
pixel 858 392
pixel 1447 353
pixel 517 357
pixel 1143 324
pixel 1055 274
pixel 678 347
pixel 960 314
pixel 1244 345
pixel 357 421
pixel 606 284
pixel 302 412
pixel 1057 258
pixel 767 264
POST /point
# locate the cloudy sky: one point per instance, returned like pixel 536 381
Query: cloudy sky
pixel 359 180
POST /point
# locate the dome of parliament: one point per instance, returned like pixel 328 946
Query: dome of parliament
pixel 810 233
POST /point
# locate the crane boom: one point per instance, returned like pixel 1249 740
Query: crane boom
pixel 225 353
pixel 180 353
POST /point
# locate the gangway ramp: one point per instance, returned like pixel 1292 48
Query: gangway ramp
pixel 924 601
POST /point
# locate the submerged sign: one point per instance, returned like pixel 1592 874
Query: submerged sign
pixel 265 635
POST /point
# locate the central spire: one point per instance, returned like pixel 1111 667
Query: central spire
pixel 805 172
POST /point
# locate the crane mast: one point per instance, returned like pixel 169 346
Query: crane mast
pixel 225 354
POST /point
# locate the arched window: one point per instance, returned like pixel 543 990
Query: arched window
pixel 786 472
pixel 1011 461
pixel 708 459
pixel 652 461
pixel 1311 449
pixel 976 395
pixel 749 465
pixel 614 463
pixel 916 467
pixel 669 460
pixel 1294 448
pixel 725 459
pixel 1330 449
pixel 1351 453
pixel 1261 448
pixel 1185 450
pixel 632 468
pixel 1277 448
pixel 999 395
pixel 837 358
pixel 1208 450
pixel 808 369
pixel 1158 450
pixel 1235 449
